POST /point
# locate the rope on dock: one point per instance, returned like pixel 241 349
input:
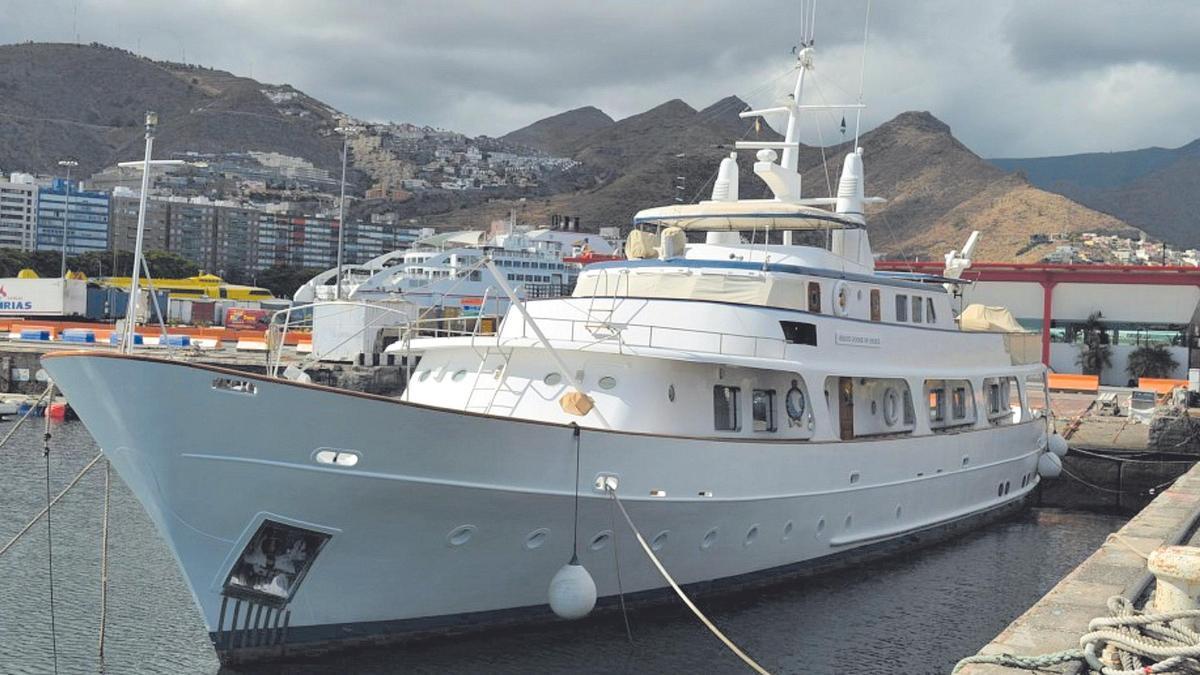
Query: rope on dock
pixel 1128 642
pixel 678 591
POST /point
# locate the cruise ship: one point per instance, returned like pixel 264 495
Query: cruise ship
pixel 759 399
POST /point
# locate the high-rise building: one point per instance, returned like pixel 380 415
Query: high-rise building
pixel 18 212
pixel 84 214
pixel 123 215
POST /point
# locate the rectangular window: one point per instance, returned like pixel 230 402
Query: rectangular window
pixel 799 332
pixel 814 297
pixel 910 415
pixel 994 398
pixel 763 404
pixel 901 308
pixel 917 305
pixel 959 403
pixel 937 405
pixel 930 316
pixel 875 311
pixel 726 401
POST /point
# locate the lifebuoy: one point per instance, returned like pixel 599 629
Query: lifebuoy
pixel 891 407
pixel 841 298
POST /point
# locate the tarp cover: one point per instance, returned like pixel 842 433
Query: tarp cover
pixel 641 245
pixel 984 319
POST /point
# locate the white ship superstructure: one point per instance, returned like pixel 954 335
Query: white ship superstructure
pixel 761 409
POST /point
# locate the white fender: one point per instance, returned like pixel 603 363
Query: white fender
pixel 1057 445
pixel 1049 465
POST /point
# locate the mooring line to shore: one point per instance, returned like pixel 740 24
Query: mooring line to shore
pixel 679 591
pixel 104 556
pixel 54 501
pixel 50 539
pixel 24 417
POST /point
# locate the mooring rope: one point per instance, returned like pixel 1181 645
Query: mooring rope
pixel 612 513
pixel 1128 642
pixel 678 591
pixel 24 417
pixel 104 556
pixel 31 523
pixel 50 538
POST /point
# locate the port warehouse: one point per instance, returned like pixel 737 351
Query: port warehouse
pixel 1138 305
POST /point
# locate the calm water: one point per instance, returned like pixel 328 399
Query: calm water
pixel 916 614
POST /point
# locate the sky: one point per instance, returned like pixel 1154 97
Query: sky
pixel 1012 78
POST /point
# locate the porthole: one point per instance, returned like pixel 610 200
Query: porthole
pixel 1007 485
pixel 751 535
pixel 608 382
pixel 849 520
pixel 536 538
pixel 710 538
pixel 460 535
pixel 854 477
pixel 787 530
pixel 820 526
pixel 660 540
pixel 874 408
pixel 422 376
pixel 899 511
pixel 600 540
pixel 1000 490
pixel 552 379
pixel 458 375
pixel 671 393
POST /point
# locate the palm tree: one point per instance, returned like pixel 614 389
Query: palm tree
pixel 1094 355
pixel 1151 361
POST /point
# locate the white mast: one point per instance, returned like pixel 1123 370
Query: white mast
pixel 131 308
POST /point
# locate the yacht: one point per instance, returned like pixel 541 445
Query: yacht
pixel 759 399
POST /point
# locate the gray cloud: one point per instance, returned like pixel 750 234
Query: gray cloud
pixel 1010 77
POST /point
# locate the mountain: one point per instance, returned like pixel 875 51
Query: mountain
pixel 1154 189
pixel 937 189
pixel 88 102
pixel 559 134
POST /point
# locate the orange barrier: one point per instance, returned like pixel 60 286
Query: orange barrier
pixel 218 333
pixel 1073 382
pixel 1162 387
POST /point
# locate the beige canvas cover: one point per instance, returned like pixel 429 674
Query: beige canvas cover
pixel 641 245
pixel 984 319
pixel 673 242
pixel 576 403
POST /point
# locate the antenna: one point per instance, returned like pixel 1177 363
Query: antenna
pixel 862 74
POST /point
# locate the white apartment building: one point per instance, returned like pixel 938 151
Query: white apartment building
pixel 18 212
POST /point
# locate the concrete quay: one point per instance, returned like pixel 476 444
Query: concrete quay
pixel 1118 567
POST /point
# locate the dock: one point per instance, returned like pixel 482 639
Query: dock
pixel 1118 567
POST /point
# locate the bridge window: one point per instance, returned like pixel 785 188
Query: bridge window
pixel 901 308
pixel 726 401
pixel 814 297
pixel 917 306
pixel 930 316
pixel 763 405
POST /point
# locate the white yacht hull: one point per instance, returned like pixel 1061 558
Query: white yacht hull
pixel 453 519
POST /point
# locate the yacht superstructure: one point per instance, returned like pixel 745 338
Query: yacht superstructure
pixel 762 409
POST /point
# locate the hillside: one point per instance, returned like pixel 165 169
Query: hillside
pixel 560 134
pixel 88 102
pixel 937 189
pixel 1152 188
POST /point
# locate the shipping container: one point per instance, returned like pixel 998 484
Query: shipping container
pixel 43 297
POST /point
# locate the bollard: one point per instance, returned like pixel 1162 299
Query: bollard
pixel 1177 569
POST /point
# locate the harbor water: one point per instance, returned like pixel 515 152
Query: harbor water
pixel 917 613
